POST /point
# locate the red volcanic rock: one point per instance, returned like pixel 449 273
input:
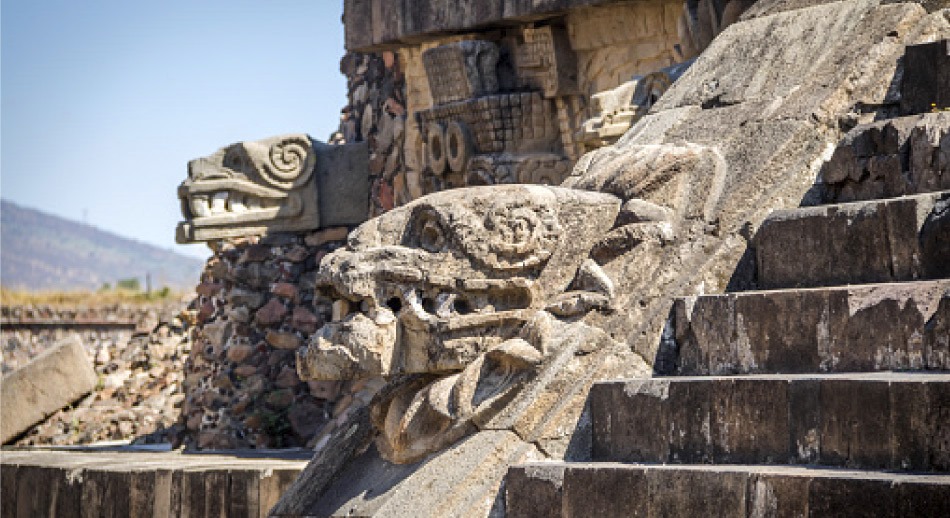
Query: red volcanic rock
pixel 272 313
pixel 284 289
pixel 303 320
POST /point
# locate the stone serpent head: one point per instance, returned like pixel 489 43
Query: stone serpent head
pixel 249 187
pixel 442 290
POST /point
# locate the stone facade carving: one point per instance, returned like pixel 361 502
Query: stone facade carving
pixel 521 101
pixel 485 127
pixel 462 70
pixel 272 185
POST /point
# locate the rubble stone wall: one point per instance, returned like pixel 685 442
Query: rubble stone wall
pixel 376 114
pixel 256 306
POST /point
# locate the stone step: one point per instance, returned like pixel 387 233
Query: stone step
pixel 872 327
pixel 898 421
pixel 898 239
pixel 109 483
pixel 620 490
pixel 892 157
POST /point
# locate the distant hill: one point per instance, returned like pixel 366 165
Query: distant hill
pixel 39 251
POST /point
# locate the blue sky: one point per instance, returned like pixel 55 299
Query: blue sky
pixel 104 102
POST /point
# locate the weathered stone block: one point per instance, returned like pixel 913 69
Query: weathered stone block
pixel 893 157
pixel 854 243
pixel 649 422
pixel 358 21
pixel 926 81
pixel 696 492
pixel 461 70
pixel 749 424
pixel 856 427
pixel 110 483
pixel 534 490
pixel 342 183
pixel 868 421
pixel 780 491
pixel 607 491
pixel 853 328
pixel 51 381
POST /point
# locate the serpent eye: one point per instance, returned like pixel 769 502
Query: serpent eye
pixel 432 236
pixel 426 230
pixel 235 160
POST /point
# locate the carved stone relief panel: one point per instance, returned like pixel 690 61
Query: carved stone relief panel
pixel 476 132
pixel 615 110
pixel 512 124
pixel 521 103
pixel 629 54
pixel 546 62
pixel 462 70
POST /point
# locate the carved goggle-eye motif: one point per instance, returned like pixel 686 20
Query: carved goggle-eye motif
pixel 427 231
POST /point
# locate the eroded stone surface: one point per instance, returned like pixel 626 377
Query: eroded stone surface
pixel 899 239
pixel 893 157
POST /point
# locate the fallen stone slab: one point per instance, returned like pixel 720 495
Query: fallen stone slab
pixel 109 483
pixel 860 328
pixel 615 490
pixel 858 420
pixel 893 240
pixel 49 382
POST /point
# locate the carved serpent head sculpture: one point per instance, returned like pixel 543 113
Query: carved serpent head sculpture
pixel 438 294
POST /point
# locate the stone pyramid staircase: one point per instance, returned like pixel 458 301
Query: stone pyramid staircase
pixel 825 394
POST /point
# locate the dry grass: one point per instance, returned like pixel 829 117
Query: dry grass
pixel 10 297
